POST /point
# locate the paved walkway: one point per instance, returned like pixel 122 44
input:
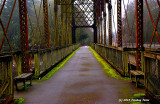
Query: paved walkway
pixel 81 81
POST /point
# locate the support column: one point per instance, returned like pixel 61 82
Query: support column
pixel 99 32
pixel 56 37
pixel 119 23
pixel 73 25
pixel 104 17
pixel 36 60
pixel 139 31
pixel 18 59
pixel 110 22
pixel 46 24
pixel 24 35
pixel 62 24
pixel 95 22
pixel 95 33
pixel 102 22
pixel 98 17
pixel 70 27
pixel 73 35
pixel 67 14
pixel 94 25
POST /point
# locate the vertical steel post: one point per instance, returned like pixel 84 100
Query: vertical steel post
pixel 139 31
pixel 73 34
pixel 70 28
pixel 95 22
pixel 73 25
pixel 101 28
pixel 62 24
pixel 65 14
pixel 104 17
pixel 119 24
pixel 110 22
pixel 18 58
pixel 24 34
pixel 46 24
pixel 102 22
pixel 67 2
pixel 56 38
pixel 36 60
pixel 99 31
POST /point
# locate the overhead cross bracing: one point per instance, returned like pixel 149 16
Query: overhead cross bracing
pixel 80 12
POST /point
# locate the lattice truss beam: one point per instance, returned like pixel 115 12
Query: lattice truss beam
pixel 46 23
pixel 139 31
pixel 24 34
pixel 82 11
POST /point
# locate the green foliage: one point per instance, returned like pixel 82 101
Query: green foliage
pixel 13 30
pixel 139 96
pixel 107 68
pixel 54 70
pixel 19 100
pixel 14 27
pixel 22 87
pixel 148 27
pixel 84 36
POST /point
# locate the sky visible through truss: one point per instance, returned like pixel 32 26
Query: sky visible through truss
pixel 89 16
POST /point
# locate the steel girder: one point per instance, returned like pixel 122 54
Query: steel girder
pixel 119 23
pixel 46 24
pixel 110 22
pixel 139 31
pixel 24 35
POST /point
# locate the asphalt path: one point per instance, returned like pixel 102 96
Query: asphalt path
pixel 80 81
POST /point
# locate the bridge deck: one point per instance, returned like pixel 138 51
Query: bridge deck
pixel 81 81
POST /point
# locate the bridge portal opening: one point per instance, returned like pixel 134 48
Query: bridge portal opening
pixel 84 36
pixel 83 21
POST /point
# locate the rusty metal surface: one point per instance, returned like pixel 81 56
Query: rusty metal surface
pixel 81 81
pixel 139 31
pixel 24 34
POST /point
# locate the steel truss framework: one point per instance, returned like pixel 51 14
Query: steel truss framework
pixel 84 13
pixel 46 24
pixel 139 31
pixel 24 34
pixel 119 23
pixel 78 14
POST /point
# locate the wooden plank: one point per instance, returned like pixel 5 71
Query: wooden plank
pixel 23 78
pixel 150 55
pixel 18 77
pixel 134 73
pixel 133 49
pixel 24 75
pixel 140 72
pixel 27 75
pixel 3 88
